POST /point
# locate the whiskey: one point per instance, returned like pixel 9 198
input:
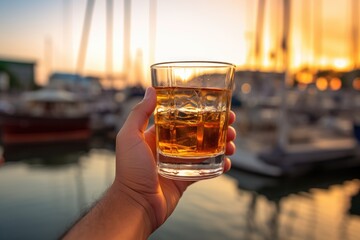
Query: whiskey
pixel 191 117
pixel 191 123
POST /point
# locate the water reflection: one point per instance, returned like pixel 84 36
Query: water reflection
pixel 43 191
pixel 47 154
pixel 44 188
pixel 312 207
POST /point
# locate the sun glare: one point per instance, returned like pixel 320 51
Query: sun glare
pixel 168 31
pixel 340 63
pixel 305 77
pixel 322 83
pixel 356 84
pixel 335 84
pixel 183 74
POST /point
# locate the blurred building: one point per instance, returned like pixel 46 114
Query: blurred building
pixel 20 75
pixel 89 85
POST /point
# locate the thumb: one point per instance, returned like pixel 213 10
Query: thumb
pixel 140 114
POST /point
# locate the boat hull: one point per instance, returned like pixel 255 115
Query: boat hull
pixel 24 129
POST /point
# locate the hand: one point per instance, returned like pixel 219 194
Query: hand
pixel 139 200
pixel 136 169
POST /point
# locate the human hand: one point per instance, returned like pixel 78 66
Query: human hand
pixel 139 200
pixel 136 172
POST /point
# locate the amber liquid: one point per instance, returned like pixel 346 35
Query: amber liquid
pixel 191 123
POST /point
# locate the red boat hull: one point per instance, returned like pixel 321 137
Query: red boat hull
pixel 23 129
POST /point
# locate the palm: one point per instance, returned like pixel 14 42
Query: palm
pixel 137 169
pixel 136 165
pixel 171 190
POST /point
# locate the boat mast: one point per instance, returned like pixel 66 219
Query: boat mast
pixel 283 124
pixel 109 41
pixel 127 25
pixel 85 36
pixel 259 32
pixel 152 32
pixel 109 38
pixel 355 32
pixel 48 53
pixel 67 35
pixel 318 31
pixel 306 35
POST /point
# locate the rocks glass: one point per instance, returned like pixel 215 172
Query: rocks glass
pixel 191 117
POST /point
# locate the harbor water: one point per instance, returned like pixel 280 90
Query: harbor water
pixel 45 189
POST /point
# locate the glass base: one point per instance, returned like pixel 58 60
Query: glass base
pixel 184 170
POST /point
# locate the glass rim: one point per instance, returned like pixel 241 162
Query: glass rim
pixel 192 64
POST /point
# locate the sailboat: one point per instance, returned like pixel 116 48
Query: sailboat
pixel 299 144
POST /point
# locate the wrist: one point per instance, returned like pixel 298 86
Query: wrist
pixel 116 216
pixel 134 212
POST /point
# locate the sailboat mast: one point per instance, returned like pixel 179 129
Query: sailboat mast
pixel 306 26
pixel 67 35
pixel 48 52
pixel 318 31
pixel 355 32
pixel 152 32
pixel 85 36
pixel 109 40
pixel 259 32
pixel 283 124
pixel 285 37
pixel 127 25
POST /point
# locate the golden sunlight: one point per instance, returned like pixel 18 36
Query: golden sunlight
pixel 168 31
pixel 356 84
pixel 305 77
pixel 341 63
pixel 335 84
pixel 183 74
pixel 322 83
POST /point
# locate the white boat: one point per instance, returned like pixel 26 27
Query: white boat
pixel 43 116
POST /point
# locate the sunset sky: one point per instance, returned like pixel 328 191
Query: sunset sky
pixel 49 33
